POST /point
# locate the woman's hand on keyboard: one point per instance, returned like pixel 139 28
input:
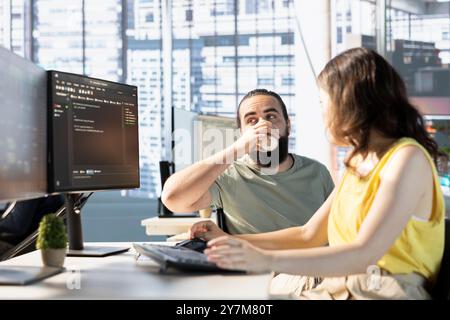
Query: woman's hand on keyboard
pixel 236 254
pixel 206 230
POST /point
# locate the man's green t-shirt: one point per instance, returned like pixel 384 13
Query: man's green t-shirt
pixel 254 202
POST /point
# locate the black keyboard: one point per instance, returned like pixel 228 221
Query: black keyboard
pixel 180 258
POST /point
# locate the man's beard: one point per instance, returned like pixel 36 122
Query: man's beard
pixel 267 159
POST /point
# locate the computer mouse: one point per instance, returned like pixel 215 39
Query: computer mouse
pixel 195 244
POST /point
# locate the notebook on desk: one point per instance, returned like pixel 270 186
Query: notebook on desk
pixel 179 258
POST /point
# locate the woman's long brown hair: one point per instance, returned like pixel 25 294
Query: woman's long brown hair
pixel 367 93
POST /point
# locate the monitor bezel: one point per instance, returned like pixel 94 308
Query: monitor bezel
pixel 51 187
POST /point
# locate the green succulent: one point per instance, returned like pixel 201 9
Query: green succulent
pixel 52 233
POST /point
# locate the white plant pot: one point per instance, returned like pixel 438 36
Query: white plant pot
pixel 53 257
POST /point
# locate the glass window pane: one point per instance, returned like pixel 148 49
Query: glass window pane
pixel 58 35
pixel 13 30
pixel 18 27
pixel 103 39
pixel 4 23
pixel 145 70
pixel 224 52
pixel 417 43
pixel 267 58
pixel 355 26
pixel 420 52
pixel 220 52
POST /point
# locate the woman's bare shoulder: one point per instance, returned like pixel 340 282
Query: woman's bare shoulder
pixel 408 160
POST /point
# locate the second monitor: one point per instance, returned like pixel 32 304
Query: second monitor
pixel 92 144
pixel 93 134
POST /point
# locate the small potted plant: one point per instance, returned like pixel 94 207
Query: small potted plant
pixel 52 240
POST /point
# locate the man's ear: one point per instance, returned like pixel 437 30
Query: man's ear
pixel 288 127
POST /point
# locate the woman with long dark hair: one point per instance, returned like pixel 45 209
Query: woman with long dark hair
pixel 380 234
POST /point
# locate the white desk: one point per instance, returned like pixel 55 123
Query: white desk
pixel 170 226
pixel 121 277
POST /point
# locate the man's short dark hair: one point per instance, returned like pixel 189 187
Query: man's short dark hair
pixel 262 92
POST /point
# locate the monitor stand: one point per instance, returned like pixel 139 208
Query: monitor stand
pixel 75 235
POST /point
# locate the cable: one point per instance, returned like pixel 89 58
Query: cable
pixel 8 210
pixel 302 39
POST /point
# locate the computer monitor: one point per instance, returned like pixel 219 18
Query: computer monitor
pixel 93 134
pixel 183 150
pixel 22 128
pixel 212 134
pixel 23 145
pixel 93 143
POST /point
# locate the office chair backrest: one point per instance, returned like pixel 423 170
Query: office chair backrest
pixel 24 218
pixel 441 289
pixel 166 169
pixel 53 205
pixel 221 220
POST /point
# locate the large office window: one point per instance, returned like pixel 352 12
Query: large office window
pixel 266 55
pixel 79 36
pixel 354 24
pixel 224 48
pixel 5 23
pixel 58 35
pixel 220 50
pixel 103 39
pixel 418 46
pixel 420 49
pixel 14 19
pixel 417 38
pixel 145 69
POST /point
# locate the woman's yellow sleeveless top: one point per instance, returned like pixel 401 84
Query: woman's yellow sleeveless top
pixel 420 246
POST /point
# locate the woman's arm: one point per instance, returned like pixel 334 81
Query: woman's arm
pixel 397 197
pixel 312 234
